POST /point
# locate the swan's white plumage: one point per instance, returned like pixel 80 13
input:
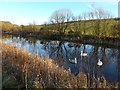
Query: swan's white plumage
pixel 99 63
pixel 83 54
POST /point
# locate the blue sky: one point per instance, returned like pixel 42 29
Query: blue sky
pixel 27 12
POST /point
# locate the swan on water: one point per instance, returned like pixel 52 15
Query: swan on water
pixel 83 54
pixel 73 61
pixel 99 63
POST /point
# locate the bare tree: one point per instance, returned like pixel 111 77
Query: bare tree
pixel 99 17
pixel 60 19
pixel 77 23
pixel 84 22
pixel 12 25
pixel 45 26
pixel 34 26
pixel 103 16
pixel 91 17
pixel 97 22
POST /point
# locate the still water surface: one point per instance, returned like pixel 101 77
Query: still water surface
pixel 61 52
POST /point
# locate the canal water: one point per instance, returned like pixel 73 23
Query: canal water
pixel 63 52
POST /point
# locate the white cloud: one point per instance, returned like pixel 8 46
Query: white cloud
pixel 90 7
pixel 23 20
pixel 27 21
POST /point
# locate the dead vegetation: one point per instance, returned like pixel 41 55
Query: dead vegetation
pixel 21 69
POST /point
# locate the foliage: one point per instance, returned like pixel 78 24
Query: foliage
pixel 32 72
pixel 96 22
pixel 8 26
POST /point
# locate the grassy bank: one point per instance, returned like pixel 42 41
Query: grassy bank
pixel 21 69
pixel 104 28
pixel 87 39
pixel 96 31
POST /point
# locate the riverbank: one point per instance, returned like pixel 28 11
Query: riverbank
pixel 102 32
pixel 109 42
pixel 24 70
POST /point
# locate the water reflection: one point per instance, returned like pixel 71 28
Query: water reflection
pixel 61 52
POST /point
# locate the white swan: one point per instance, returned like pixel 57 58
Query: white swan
pixel 73 61
pixel 99 63
pixel 83 54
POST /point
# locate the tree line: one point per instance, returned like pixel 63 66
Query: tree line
pixel 97 22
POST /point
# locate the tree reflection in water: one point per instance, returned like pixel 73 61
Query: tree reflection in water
pixel 61 52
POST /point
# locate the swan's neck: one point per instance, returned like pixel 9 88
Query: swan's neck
pixel 99 60
pixel 75 60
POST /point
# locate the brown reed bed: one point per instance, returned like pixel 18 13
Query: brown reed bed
pixel 21 69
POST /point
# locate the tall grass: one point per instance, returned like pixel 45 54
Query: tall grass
pixel 21 69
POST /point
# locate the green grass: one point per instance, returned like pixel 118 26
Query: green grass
pixel 107 28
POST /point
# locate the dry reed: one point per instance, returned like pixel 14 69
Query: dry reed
pixel 30 71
